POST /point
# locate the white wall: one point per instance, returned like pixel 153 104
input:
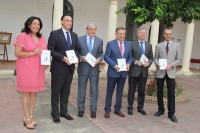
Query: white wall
pixel 13 14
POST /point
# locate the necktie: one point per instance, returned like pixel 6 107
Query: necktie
pixel 141 47
pixel 121 48
pixel 68 40
pixel 167 47
pixel 90 45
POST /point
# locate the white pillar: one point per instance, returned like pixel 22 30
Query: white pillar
pixel 112 25
pixel 154 41
pixel 57 14
pixel 187 50
pixel 112 20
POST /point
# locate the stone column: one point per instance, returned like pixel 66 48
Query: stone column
pixel 154 42
pixel 57 14
pixel 187 50
pixel 112 25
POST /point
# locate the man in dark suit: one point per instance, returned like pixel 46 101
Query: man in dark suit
pixel 59 42
pixel 89 43
pixel 170 51
pixel 116 49
pixel 138 72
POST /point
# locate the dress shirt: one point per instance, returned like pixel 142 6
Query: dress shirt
pixel 64 32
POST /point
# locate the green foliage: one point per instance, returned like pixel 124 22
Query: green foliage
pixel 168 11
pixel 151 89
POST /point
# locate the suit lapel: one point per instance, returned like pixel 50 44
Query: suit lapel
pixel 170 47
pixel 146 48
pixel 63 38
pixel 117 47
pixel 163 48
pixel 138 47
pixel 95 43
pixel 85 43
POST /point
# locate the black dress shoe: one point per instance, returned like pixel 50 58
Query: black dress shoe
pixel 173 118
pixel 80 113
pixel 159 113
pixel 56 119
pixel 93 114
pixel 130 110
pixel 142 111
pixel 67 116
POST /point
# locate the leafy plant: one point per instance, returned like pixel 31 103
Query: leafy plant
pixel 151 89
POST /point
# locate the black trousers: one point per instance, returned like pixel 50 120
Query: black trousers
pixel 60 90
pixel 141 90
pixel 170 93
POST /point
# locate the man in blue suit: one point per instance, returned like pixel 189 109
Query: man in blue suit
pixel 116 49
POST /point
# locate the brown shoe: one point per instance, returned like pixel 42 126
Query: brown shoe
pixel 119 113
pixel 107 115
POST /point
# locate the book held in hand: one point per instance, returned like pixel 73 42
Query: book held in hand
pixel 122 64
pixel 71 56
pixel 163 64
pixel 90 59
pixel 143 58
pixel 45 57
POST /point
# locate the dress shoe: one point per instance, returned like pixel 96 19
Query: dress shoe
pixel 93 114
pixel 107 115
pixel 130 110
pixel 142 111
pixel 173 118
pixel 80 113
pixel 67 116
pixel 119 113
pixel 56 119
pixel 159 113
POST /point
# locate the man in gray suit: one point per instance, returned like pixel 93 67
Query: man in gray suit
pixel 89 43
pixel 170 51
pixel 138 72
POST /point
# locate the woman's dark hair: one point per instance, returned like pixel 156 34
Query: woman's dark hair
pixel 28 22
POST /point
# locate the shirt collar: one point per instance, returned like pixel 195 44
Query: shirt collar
pixel 141 41
pixel 88 37
pixel 64 31
pixel 120 41
pixel 169 42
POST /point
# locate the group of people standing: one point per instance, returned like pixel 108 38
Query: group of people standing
pixel 31 74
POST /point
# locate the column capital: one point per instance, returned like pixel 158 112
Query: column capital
pixel 114 1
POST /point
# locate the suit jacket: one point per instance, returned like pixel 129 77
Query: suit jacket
pixel 83 67
pixel 173 57
pixel 136 70
pixel 112 53
pixel 57 43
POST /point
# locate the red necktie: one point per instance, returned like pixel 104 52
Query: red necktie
pixel 121 48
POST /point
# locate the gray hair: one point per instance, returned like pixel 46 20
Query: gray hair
pixel 140 28
pixel 91 24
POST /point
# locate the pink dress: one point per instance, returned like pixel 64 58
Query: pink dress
pixel 30 73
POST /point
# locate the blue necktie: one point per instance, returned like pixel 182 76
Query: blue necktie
pixel 68 40
pixel 141 47
pixel 90 45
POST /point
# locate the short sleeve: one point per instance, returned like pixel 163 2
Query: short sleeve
pixel 20 40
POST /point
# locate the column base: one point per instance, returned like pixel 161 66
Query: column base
pixel 184 72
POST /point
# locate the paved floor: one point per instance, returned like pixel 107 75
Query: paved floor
pixel 11 113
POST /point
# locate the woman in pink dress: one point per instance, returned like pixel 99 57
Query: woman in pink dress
pixel 30 73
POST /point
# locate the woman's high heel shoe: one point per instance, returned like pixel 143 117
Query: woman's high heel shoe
pixel 33 121
pixel 28 124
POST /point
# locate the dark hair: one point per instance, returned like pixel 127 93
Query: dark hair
pixel 65 15
pixel 28 22
pixel 120 28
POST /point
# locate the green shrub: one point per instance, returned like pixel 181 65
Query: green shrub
pixel 151 89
